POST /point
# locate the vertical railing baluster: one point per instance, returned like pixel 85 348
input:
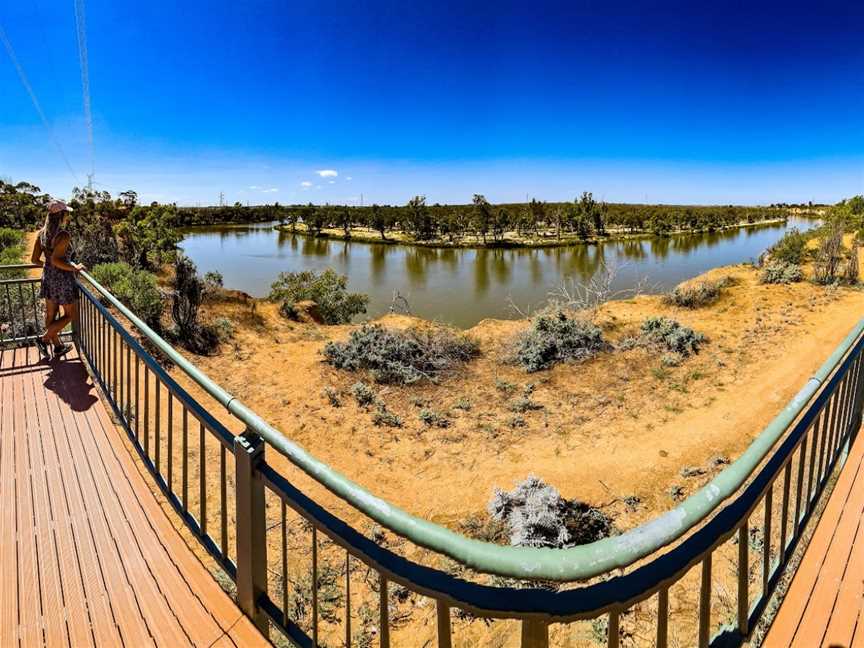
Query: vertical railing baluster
pixel 832 430
pixel 744 578
pixel 705 602
pixel 21 307
pixel 120 377
pixel 185 460
pixel 137 398
pixel 347 599
pixel 157 426
pixel 784 512
pixel 12 333
pixel 114 362
pixel 838 420
pixel 8 306
pixel 170 442
pixel 314 586
pixel 663 618
pixel 850 400
pixel 823 442
pixel 284 563
pixel 223 496
pixel 129 386
pixel 33 301
pixel 799 486
pixel 614 635
pixel 766 540
pixel 109 372
pixel 814 432
pixel 444 632
pixel 384 611
pixel 102 370
pixel 202 479
pixel 147 412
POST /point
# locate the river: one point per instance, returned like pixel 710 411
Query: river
pixel 463 286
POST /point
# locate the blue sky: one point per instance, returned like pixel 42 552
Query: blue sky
pixel 662 102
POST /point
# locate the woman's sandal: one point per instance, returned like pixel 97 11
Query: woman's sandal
pixel 60 351
pixel 43 348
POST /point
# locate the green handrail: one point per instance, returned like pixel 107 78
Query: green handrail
pixel 576 563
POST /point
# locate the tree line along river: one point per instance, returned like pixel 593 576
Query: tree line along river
pixel 463 286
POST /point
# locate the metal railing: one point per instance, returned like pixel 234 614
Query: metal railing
pixel 241 510
pixel 22 314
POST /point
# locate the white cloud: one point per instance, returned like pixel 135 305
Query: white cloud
pixel 349 178
pixel 305 184
pixel 271 190
pixel 331 182
pixel 253 187
pixel 327 173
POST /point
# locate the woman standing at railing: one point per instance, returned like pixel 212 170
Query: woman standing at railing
pixel 58 278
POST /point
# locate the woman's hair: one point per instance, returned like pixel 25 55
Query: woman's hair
pixel 51 227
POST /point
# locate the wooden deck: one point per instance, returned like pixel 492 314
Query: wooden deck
pixel 87 555
pixel 825 602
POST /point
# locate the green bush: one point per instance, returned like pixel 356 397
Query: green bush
pixel 671 336
pixel 382 417
pixel 213 283
pixel 137 289
pixel 431 418
pixel 362 393
pixel 11 251
pixel 10 237
pixel 697 295
pixel 780 272
pixel 554 337
pixel 328 290
pixel 224 328
pixel 401 357
pixel 790 249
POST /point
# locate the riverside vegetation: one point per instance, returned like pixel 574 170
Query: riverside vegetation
pixel 483 224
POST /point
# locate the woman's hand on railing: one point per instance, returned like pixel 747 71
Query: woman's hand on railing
pixel 79 267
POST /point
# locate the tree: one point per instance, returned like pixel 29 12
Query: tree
pixel 418 220
pixel 22 206
pixel 147 236
pixel 344 220
pixel 379 220
pixel 482 215
pixel 314 218
pixel 500 224
pixel 328 290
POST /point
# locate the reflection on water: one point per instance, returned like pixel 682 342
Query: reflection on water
pixel 464 286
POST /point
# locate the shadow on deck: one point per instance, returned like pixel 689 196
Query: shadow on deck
pixel 87 555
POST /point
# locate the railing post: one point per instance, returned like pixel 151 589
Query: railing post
pixel 535 633
pixel 251 528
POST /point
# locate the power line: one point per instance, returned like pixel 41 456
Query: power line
pixel 81 24
pixel 26 83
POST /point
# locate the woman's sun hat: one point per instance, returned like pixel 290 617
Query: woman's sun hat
pixel 58 206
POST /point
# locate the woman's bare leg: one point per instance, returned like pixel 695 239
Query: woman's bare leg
pixel 50 316
pixel 70 312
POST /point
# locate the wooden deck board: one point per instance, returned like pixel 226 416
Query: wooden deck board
pixel 30 592
pixel 8 545
pixel 45 527
pixel 824 603
pixel 87 554
pixel 78 610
